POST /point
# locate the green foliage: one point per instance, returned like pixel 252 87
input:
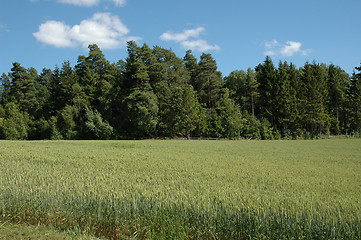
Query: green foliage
pixel 209 80
pixel 267 78
pixel 67 122
pixel 189 118
pixel 236 82
pixel 55 133
pixel 2 112
pixel 141 113
pixel 253 89
pixel 230 117
pixel 266 130
pixel 5 88
pixel 96 127
pixel 354 99
pixel 154 93
pixel 14 126
pixel 254 128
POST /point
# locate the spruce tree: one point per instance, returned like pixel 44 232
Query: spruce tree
pixel 267 78
pixel 354 96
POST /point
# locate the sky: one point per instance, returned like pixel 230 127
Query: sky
pixel 238 33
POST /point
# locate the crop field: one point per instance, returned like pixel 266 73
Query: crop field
pixel 174 189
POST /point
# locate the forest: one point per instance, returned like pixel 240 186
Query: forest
pixel 155 94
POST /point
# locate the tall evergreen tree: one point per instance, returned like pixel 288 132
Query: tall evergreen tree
pixel 192 66
pixel 29 98
pixel 17 76
pixel 267 78
pixel 252 89
pixel 169 78
pixel 354 95
pixel 56 98
pixel 5 88
pixel 283 101
pixel 210 81
pixel 338 82
pixel 316 116
pixel 67 80
pixel 294 95
pixel 136 72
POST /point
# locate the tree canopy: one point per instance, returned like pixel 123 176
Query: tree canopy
pixel 155 94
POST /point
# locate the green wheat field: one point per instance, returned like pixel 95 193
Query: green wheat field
pixel 175 189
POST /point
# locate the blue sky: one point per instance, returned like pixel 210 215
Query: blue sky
pixel 239 34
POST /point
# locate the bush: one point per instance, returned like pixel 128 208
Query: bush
pixel 14 125
pixel 96 127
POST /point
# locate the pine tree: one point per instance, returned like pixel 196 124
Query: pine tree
pixel 17 76
pixel 29 98
pixel 252 89
pixel 93 72
pixel 136 72
pixel 192 67
pixel 210 81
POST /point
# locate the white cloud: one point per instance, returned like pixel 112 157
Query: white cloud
pixel 103 29
pixel 88 3
pixel 54 33
pixel 289 49
pixel 189 39
pixel 200 45
pixel 185 35
pixel 271 44
pixel 119 2
pixel 306 52
pixel 270 53
pixel 4 28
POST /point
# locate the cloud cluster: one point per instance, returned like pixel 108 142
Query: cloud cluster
pixel 289 49
pixel 103 29
pixel 189 39
pixel 88 3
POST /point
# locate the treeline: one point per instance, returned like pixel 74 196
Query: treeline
pixel 154 93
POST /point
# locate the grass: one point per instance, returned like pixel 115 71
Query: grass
pixel 17 232
pixel 155 189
